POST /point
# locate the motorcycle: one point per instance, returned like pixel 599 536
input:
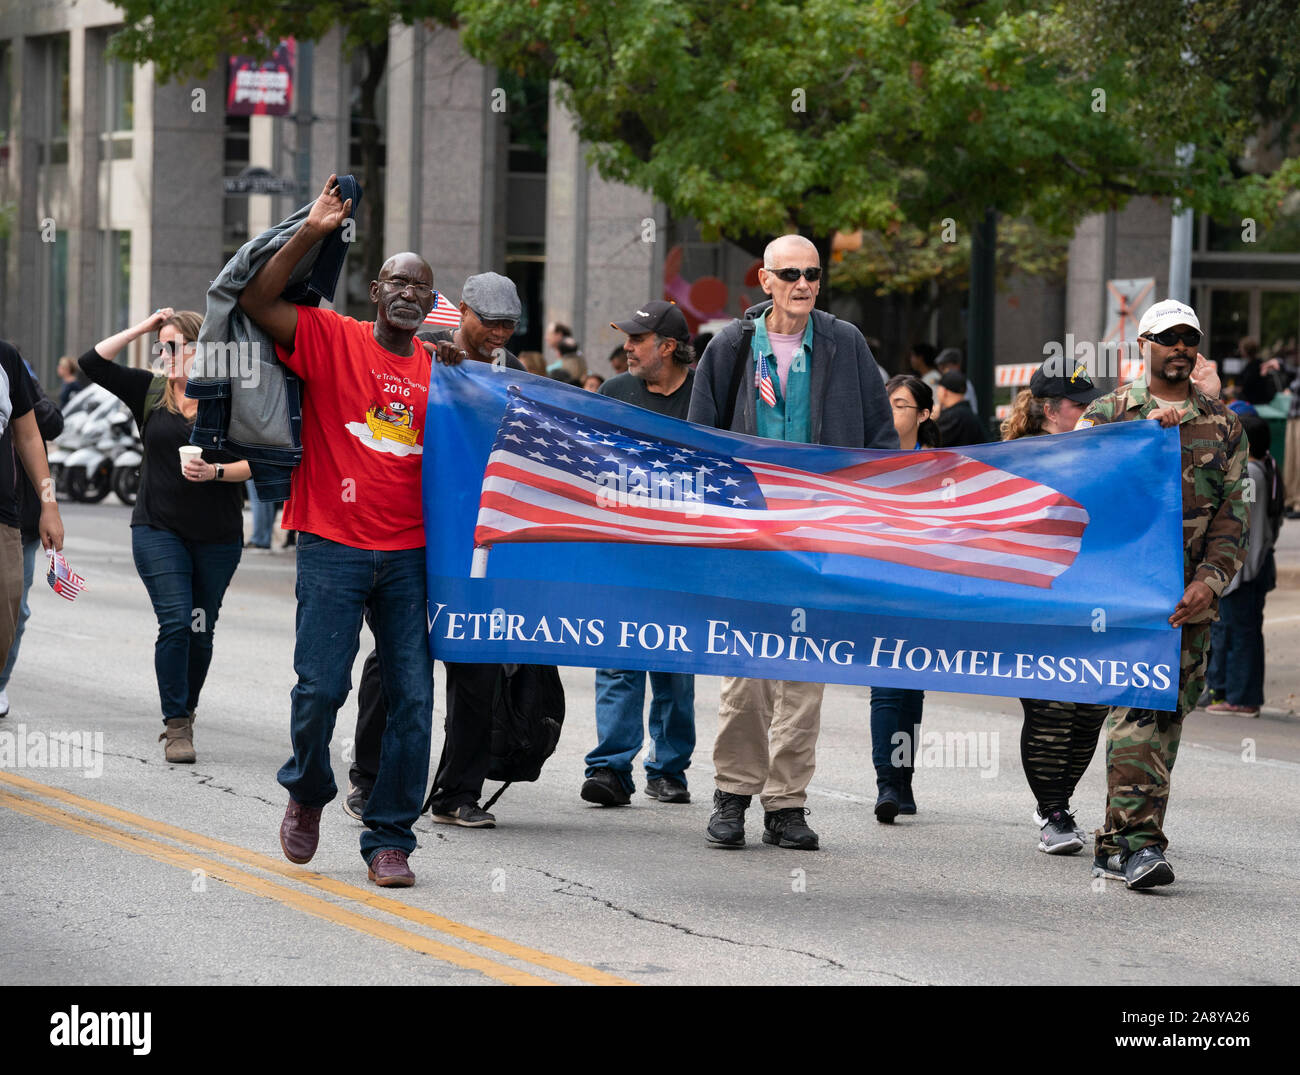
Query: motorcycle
pixel 106 434
pixel 80 410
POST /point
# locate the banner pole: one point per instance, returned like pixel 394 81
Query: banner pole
pixel 478 567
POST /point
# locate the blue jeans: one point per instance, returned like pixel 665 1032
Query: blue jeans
pixel 337 584
pixel 263 517
pixel 894 710
pixel 620 701
pixel 30 549
pixel 1237 644
pixel 186 581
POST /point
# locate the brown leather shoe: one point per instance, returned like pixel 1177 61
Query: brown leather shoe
pixel 180 740
pixel 300 832
pixel 388 869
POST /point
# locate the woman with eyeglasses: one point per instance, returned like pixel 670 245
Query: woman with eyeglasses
pixel 896 711
pixel 187 526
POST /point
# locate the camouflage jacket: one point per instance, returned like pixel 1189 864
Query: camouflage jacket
pixel 1215 512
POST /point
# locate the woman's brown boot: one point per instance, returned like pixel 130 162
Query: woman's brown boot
pixel 180 739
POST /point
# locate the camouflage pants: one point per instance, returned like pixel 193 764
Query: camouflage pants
pixel 1141 747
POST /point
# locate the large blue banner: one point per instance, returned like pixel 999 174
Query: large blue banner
pixel 567 528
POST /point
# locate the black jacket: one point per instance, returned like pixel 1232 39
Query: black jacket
pixel 849 406
pixel 959 425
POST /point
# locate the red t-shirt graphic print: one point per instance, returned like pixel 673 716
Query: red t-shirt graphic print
pixel 363 419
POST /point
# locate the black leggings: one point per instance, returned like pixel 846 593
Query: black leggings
pixel 1057 742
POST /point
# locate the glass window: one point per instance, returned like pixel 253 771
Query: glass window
pixel 1229 322
pixel 61 95
pixel 57 304
pixel 1279 322
pixel 117 299
pixel 121 95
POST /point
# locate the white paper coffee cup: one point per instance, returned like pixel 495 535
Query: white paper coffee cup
pixel 188 452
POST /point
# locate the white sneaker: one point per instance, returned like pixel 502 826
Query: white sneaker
pixel 4 703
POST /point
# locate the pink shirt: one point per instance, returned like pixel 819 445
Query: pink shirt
pixel 784 348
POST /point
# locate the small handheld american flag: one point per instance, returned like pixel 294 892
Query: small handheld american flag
pixel 765 381
pixel 62 579
pixel 442 314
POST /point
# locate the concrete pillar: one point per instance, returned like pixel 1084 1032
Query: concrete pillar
pixel 185 208
pixel 598 265
pixel 445 184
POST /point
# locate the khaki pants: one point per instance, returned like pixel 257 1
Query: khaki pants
pixel 11 586
pixel 1291 465
pixel 767 739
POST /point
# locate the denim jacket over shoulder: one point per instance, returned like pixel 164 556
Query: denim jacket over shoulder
pixel 250 404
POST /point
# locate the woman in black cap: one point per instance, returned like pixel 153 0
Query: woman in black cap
pixel 1058 739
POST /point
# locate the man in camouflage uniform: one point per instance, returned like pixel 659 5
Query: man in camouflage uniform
pixel 1142 744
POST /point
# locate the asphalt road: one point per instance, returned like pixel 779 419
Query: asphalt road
pixel 155 873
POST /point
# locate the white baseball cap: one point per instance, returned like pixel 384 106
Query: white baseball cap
pixel 1167 314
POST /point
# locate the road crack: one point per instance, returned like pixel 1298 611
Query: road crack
pixel 567 886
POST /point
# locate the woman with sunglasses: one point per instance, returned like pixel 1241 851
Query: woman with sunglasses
pixel 187 526
pixel 896 711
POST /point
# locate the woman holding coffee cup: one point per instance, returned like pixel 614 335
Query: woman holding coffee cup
pixel 187 527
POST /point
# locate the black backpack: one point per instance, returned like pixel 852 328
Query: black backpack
pixel 1276 494
pixel 527 715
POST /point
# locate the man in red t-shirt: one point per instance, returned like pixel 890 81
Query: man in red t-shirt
pixel 356 502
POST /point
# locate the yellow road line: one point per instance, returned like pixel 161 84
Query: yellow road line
pixel 271 890
pixel 370 898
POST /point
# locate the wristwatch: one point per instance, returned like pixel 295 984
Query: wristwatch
pixel 220 471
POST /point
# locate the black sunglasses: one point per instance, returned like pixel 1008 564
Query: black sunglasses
pixel 1171 336
pixel 791 275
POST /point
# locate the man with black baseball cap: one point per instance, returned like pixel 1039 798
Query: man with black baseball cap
pixel 958 424
pixel 659 378
pixel 659 356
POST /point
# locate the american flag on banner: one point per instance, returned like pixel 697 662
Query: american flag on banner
pixel 558 476
pixel 62 579
pixel 443 314
pixel 764 376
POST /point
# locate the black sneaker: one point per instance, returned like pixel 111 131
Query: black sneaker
pixel 604 788
pixel 727 823
pixel 354 803
pixel 667 790
pixel 467 816
pixel 1210 697
pixel 1146 868
pixel 787 828
pixel 1111 866
pixel 1058 834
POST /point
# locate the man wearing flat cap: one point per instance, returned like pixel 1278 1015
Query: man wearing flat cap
pixel 659 378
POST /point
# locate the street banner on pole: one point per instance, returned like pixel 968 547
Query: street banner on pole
pixel 567 528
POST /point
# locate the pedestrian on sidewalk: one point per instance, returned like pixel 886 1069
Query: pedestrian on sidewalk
pixel 187 526
pixel 25 455
pixel 356 502
pixel 49 420
pixel 1057 739
pixel 263 518
pixel 896 711
pixel 819 384
pixel 660 379
pixel 1236 669
pixel 1142 744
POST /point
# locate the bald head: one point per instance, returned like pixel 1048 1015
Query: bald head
pixel 408 262
pixel 787 246
pixel 792 299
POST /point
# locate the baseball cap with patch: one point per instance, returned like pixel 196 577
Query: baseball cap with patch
pixel 1167 314
pixel 1076 387
pixel 659 316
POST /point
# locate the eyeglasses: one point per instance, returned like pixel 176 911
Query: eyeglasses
pixel 812 274
pixel 400 283
pixel 1171 336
